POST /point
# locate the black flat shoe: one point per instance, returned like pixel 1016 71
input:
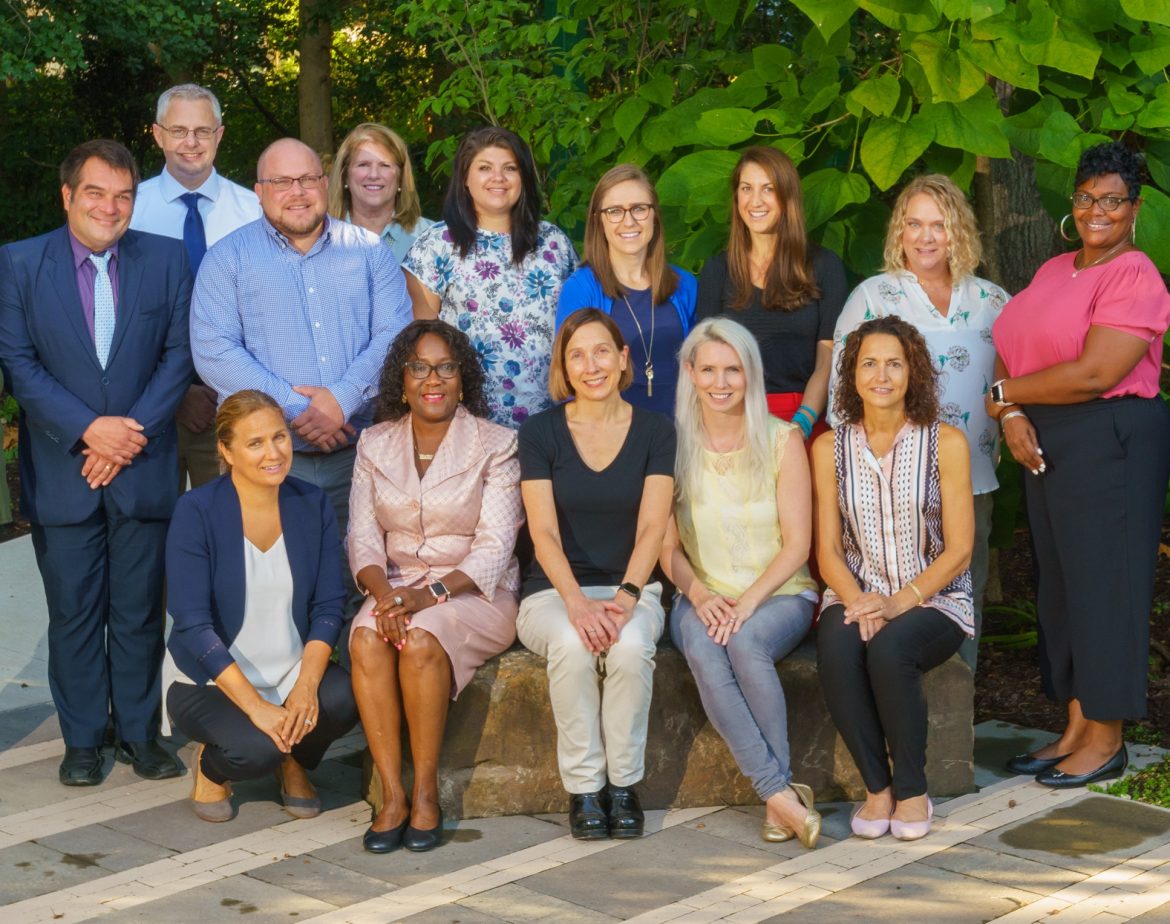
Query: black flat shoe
pixel 1111 769
pixel 419 841
pixel 81 767
pixel 385 841
pixel 588 820
pixel 148 759
pixel 1027 765
pixel 626 818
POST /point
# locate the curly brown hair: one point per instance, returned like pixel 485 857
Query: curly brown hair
pixel 922 388
pixel 390 404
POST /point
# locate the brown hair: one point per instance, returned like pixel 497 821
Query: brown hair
pixel 558 376
pixel 921 404
pixel 663 281
pixel 407 209
pixel 790 281
pixel 964 250
pixel 234 409
pixel 110 153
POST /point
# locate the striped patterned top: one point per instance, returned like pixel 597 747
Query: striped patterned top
pixel 891 512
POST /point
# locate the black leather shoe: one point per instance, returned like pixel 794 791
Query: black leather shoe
pixel 419 841
pixel 81 767
pixel 588 820
pixel 148 759
pixel 1027 765
pixel 1111 769
pixel 625 813
pixel 385 841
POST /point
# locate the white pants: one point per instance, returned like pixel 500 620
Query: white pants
pixel 601 702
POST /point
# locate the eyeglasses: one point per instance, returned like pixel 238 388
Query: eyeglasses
pixel 179 133
pixel 1107 203
pixel 421 370
pixel 308 181
pixel 615 214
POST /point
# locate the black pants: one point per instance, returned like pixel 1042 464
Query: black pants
pixel 1096 517
pixel 236 749
pixel 874 691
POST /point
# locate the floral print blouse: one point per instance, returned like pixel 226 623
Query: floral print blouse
pixel 509 312
pixel 960 345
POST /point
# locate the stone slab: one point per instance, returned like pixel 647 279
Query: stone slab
pixel 499 753
pixel 26 724
pixel 28 870
pixel 1003 868
pixel 327 882
pixel 453 914
pixel 516 904
pixel 1159 915
pixel 239 898
pixel 113 851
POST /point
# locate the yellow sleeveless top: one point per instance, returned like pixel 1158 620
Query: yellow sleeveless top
pixel 731 535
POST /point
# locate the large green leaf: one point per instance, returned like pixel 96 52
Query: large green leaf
pixel 771 62
pixel 722 11
pixel 1067 47
pixel 629 116
pixel 698 179
pixel 911 15
pixel 889 147
pixel 878 94
pixel 1151 52
pixel 1148 10
pixel 953 76
pixel 1093 15
pixel 1156 114
pixel 1153 227
pixel 1122 101
pixel 827 15
pixel 727 126
pixel 974 10
pixel 975 125
pixel 1058 139
pixel 1002 59
pixel 826 192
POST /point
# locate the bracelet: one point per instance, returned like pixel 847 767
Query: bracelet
pixel 804 424
pixel 997 393
pixel 917 592
pixel 812 415
pixel 1009 415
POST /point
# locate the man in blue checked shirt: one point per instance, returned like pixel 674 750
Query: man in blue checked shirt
pixel 302 307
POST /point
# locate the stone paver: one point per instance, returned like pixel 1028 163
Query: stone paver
pixel 239 898
pixel 1004 868
pixel 517 904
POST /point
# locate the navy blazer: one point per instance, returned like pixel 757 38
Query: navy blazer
pixel 53 371
pixel 205 572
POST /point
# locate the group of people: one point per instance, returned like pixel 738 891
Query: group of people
pixel 390 400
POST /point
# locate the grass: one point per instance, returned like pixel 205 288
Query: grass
pixel 1150 785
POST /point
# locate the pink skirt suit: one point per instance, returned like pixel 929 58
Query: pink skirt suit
pixel 463 514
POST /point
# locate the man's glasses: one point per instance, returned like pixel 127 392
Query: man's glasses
pixel 420 370
pixel 282 183
pixel 179 133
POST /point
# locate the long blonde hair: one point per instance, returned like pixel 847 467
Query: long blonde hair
pixel 964 249
pixel 407 209
pixel 688 414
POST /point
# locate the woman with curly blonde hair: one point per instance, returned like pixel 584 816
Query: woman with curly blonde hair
pixel 931 253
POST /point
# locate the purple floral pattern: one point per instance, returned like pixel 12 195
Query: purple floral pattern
pixel 509 312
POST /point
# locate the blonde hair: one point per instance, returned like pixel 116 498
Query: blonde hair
pixel 407 209
pixel 559 388
pixel 688 415
pixel 663 281
pixel 234 409
pixel 964 249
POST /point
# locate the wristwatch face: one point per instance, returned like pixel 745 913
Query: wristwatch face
pixel 438 589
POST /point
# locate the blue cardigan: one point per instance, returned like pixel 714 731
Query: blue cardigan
pixel 582 290
pixel 205 572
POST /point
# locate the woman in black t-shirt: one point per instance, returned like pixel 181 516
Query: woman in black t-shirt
pixel 779 285
pixel 597 475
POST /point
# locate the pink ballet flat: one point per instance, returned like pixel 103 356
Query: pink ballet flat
pixel 913 830
pixel 869 828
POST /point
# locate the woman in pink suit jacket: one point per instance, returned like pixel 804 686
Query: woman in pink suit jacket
pixel 434 512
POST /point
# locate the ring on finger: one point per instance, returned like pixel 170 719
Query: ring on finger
pixel 398 601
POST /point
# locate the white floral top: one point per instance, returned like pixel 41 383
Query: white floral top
pixel 960 343
pixel 509 312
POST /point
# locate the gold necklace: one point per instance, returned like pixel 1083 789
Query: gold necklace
pixel 1101 259
pixel 648 368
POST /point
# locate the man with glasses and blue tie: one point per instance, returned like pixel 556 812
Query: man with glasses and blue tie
pixel 94 344
pixel 302 307
pixel 190 201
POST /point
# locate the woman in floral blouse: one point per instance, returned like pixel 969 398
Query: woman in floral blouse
pixel 932 250
pixel 493 269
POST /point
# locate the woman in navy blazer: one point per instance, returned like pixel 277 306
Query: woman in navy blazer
pixel 254 588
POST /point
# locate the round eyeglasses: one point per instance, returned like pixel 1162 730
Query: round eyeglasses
pixel 615 214
pixel 420 370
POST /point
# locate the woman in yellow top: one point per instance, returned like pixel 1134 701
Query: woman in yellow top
pixel 737 549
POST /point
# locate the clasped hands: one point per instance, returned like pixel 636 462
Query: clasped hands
pixel 323 422
pixel 723 616
pixel 870 612
pixel 286 725
pixel 599 623
pixel 393 608
pixel 111 443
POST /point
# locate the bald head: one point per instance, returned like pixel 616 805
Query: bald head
pixel 298 210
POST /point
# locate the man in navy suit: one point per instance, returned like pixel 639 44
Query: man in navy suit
pixel 93 337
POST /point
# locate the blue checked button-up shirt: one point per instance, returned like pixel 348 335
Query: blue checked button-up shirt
pixel 265 316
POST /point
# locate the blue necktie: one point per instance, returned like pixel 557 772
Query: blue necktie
pixel 193 234
pixel 103 307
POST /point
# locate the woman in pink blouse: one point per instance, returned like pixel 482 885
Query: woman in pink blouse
pixel 434 511
pixel 1076 392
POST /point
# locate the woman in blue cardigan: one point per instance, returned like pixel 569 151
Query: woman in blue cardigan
pixel 626 275
pixel 254 588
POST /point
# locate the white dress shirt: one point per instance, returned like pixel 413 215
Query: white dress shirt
pixel 224 207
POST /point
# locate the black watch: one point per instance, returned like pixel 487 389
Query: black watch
pixel 997 394
pixel 632 589
pixel 439 591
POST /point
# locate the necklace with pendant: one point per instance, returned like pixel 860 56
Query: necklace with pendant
pixel 648 368
pixel 1101 259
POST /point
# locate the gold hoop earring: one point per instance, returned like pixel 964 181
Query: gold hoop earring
pixel 1064 233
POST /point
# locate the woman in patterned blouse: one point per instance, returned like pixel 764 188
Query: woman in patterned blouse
pixel 895 528
pixel 494 270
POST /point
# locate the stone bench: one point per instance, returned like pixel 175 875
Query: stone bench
pixel 499 753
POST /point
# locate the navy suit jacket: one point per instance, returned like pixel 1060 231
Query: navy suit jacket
pixel 53 371
pixel 205 572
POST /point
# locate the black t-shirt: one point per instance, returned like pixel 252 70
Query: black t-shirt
pixel 597 512
pixel 787 339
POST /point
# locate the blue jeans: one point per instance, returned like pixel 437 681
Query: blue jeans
pixel 739 686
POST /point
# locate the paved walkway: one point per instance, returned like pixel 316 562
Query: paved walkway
pixel 130 850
